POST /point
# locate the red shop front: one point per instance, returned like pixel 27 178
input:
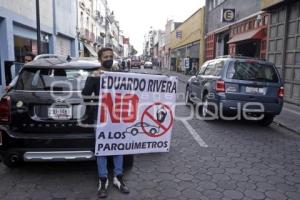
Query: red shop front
pixel 249 37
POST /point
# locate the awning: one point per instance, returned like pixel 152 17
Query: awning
pixel 91 50
pixel 223 29
pixel 250 35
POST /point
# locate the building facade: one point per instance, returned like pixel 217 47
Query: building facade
pixel 65 40
pixel 18 36
pixel 169 28
pixel 91 26
pixel 113 32
pixel 97 27
pixel 161 48
pixel 217 27
pixel 167 52
pixel 283 43
pixel 148 52
pixel 187 40
pixel 248 36
pixel 126 46
pixel 158 47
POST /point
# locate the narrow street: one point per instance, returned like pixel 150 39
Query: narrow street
pixel 207 160
pixel 95 94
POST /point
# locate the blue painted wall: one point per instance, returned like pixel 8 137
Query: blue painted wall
pixel 11 23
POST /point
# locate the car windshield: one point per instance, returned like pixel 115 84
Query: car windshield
pixel 252 71
pixel 52 79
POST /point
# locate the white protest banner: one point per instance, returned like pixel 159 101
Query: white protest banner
pixel 135 114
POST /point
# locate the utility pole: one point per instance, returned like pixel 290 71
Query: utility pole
pixel 38 26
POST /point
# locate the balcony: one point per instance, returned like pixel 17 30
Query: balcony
pixel 92 37
pixel 81 31
pixel 100 40
pixel 82 5
pixel 96 15
pixel 87 34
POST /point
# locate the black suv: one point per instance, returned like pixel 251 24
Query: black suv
pixel 238 84
pixel 44 117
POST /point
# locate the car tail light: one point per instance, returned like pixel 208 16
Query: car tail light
pixel 220 86
pixel 5 110
pixel 281 92
pixel 1 140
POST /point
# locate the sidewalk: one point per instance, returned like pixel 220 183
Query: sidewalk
pixel 289 117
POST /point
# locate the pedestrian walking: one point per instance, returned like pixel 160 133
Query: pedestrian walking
pixel 28 58
pixel 128 64
pixel 123 64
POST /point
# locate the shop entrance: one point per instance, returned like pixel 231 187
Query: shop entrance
pixel 226 46
pixel 248 48
pixel 25 48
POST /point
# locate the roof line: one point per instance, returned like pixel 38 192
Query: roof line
pixel 203 7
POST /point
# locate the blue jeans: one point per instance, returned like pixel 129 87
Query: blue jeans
pixel 102 165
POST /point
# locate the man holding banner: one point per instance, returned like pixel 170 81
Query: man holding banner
pixel 105 57
pixel 135 116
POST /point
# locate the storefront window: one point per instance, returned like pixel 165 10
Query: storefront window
pixel 25 48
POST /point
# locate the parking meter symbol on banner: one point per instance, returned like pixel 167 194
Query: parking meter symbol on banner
pixel 159 115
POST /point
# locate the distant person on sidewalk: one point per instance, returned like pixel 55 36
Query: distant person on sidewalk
pixel 128 64
pixel 159 64
pixel 92 88
pixel 27 58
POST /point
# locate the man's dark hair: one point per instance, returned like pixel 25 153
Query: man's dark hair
pixel 102 50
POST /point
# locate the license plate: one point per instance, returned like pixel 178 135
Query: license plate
pixel 60 113
pixel 254 90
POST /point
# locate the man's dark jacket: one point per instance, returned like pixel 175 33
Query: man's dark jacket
pixel 90 94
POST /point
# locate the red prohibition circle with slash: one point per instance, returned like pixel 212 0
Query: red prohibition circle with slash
pixel 155 121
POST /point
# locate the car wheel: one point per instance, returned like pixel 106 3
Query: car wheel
pixel 128 161
pixel 153 131
pixel 188 101
pixel 134 131
pixel 11 161
pixel 267 120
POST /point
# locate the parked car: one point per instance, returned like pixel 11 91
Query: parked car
pixel 236 84
pixel 123 66
pixel 148 64
pixel 135 63
pixel 41 117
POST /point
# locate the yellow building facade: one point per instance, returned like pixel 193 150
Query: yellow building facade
pixel 187 40
pixel 268 3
